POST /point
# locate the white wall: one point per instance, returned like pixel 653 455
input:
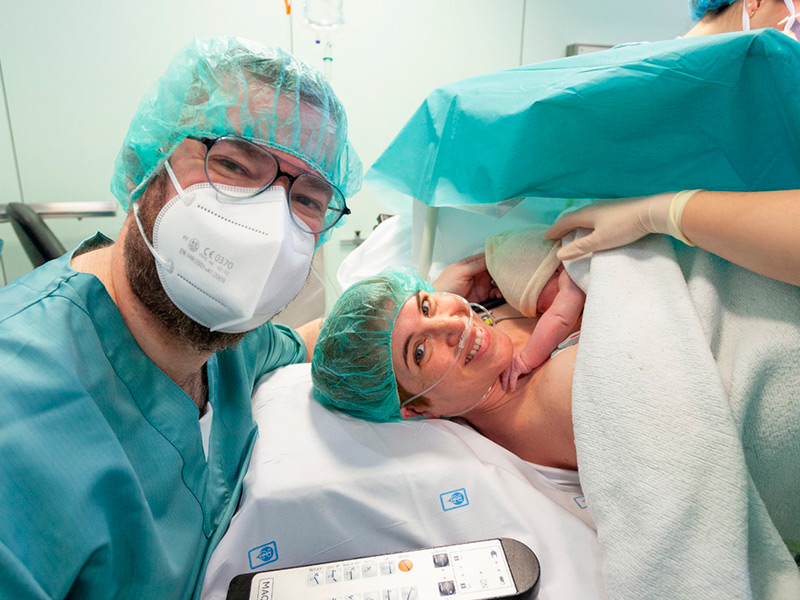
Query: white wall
pixel 551 26
pixel 75 71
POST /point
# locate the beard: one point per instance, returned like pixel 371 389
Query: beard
pixel 142 273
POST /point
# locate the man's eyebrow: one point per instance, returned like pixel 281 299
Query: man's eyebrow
pixel 408 338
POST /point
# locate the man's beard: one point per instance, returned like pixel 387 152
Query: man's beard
pixel 140 268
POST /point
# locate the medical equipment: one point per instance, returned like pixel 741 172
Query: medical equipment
pixel 37 239
pixel 188 101
pixel 323 17
pixel 499 568
pixel 323 14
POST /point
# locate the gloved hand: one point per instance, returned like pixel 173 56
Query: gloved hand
pixel 620 222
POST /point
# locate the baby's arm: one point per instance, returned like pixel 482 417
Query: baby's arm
pixel 553 328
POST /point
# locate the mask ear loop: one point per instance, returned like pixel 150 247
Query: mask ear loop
pixel 167 264
pixel 187 198
pixel 461 343
pixel 791 19
pixel 745 17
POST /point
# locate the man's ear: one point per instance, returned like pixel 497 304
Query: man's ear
pixel 752 6
pixel 411 412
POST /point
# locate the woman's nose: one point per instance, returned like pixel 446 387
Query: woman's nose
pixel 450 328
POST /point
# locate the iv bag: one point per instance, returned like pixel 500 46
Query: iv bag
pixel 323 14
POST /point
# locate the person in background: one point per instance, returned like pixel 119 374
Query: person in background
pixel 127 366
pixel 724 16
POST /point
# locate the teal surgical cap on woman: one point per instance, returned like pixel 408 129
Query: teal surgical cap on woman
pixel 699 8
pixel 230 86
pixel 352 363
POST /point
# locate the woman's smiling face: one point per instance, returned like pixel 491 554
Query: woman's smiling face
pixel 425 344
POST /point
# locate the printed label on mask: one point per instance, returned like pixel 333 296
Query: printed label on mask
pixel 209 260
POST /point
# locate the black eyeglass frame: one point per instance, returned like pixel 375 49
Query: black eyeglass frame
pixel 209 143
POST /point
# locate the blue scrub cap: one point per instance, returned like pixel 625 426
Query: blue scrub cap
pixel 231 86
pixel 352 363
pixel 699 8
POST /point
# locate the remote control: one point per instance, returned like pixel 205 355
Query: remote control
pixel 498 568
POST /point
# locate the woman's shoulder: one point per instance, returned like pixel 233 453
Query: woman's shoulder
pixel 514 324
pixel 548 399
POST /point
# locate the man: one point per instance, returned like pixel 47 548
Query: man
pixel 127 367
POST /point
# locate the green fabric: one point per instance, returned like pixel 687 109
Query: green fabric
pixel 230 86
pixel 352 363
pixel 105 491
pixel 714 112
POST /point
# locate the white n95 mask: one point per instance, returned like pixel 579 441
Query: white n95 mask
pixel 229 264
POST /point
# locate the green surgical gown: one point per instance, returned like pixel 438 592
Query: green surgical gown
pixel 105 491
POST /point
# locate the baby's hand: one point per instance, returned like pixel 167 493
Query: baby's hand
pixel 517 368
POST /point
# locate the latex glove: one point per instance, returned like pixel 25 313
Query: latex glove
pixel 468 278
pixel 620 222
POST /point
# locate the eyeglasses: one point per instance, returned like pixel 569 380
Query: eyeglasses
pixel 238 168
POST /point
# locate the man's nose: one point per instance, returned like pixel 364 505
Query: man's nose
pixel 283 181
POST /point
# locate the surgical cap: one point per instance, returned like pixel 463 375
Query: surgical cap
pixel 352 363
pixel 699 8
pixel 231 86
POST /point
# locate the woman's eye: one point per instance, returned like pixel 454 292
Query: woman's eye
pixel 425 307
pixel 419 352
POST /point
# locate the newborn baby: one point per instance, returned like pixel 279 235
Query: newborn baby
pixel 525 267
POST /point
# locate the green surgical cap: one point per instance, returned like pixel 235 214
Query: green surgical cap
pixel 699 8
pixel 230 86
pixel 352 363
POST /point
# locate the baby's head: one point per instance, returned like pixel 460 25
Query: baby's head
pixel 521 262
pixel 352 363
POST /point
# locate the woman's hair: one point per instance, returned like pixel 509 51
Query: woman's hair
pixel 405 395
pixel 352 364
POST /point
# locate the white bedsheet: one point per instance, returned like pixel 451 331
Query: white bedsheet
pixel 323 486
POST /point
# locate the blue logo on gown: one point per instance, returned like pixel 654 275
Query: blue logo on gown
pixel 454 499
pixel 263 555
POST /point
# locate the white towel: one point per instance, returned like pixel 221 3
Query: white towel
pixel 686 410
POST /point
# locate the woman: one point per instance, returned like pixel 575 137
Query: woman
pixel 394 348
